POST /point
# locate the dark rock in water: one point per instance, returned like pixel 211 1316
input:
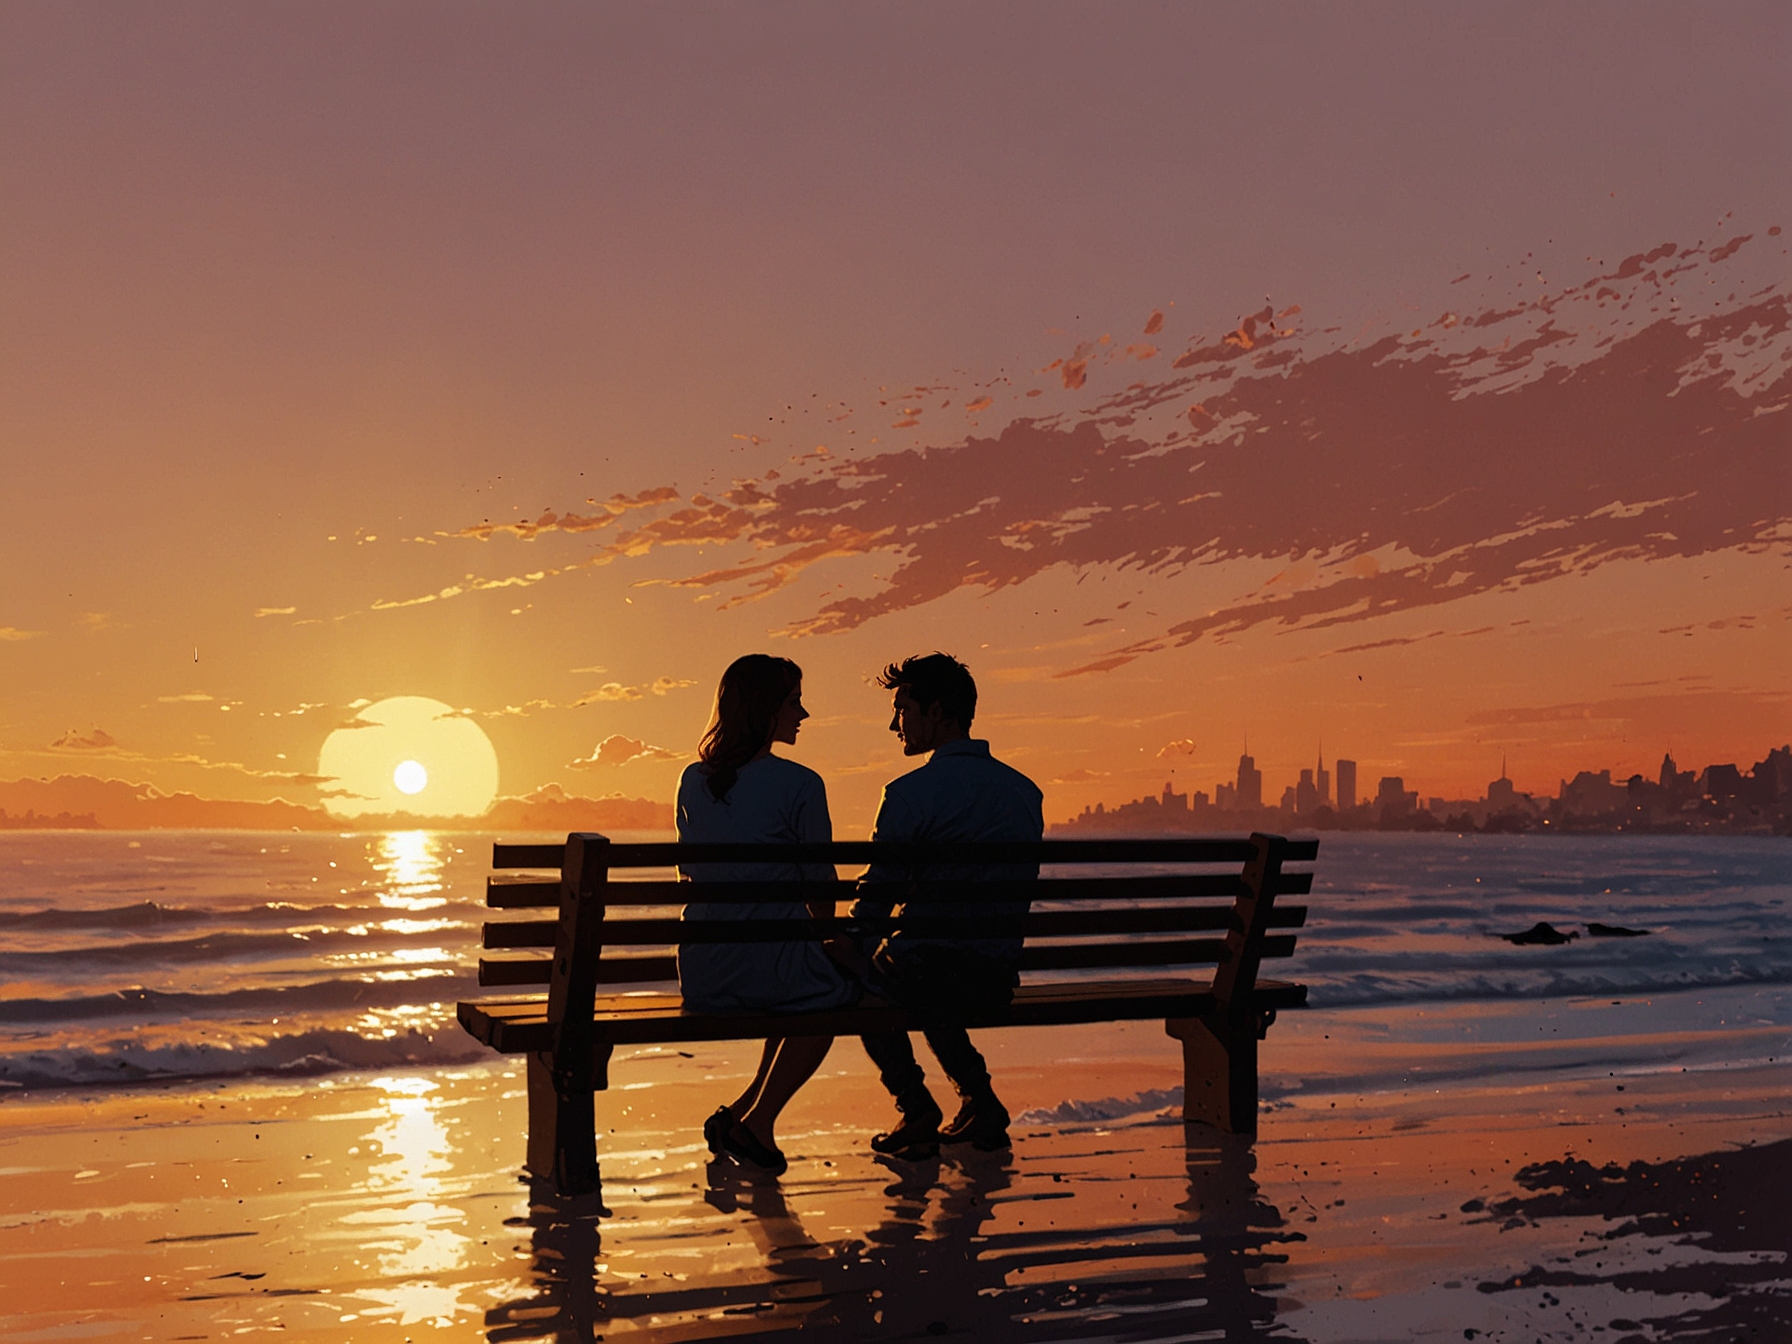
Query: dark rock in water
pixel 1546 935
pixel 1613 931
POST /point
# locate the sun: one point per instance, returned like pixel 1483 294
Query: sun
pixel 409 754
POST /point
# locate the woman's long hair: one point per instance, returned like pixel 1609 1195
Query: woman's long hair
pixel 753 689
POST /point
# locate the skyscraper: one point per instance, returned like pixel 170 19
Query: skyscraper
pixel 1346 783
pixel 1250 782
pixel 1322 780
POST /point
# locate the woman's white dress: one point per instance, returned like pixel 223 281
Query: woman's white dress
pixel 773 800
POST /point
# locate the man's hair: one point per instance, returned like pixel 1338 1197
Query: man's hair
pixel 935 679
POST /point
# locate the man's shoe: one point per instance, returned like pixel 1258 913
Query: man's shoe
pixel 981 1122
pixel 918 1136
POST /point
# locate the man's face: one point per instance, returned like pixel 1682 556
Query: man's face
pixel 918 728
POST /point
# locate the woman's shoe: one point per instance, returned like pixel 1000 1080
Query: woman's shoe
pixel 716 1127
pixel 738 1142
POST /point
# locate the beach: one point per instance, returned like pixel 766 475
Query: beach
pixel 388 1206
pixel 1453 1144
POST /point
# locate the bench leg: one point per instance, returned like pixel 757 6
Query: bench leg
pixel 544 1117
pixel 1219 1073
pixel 563 1127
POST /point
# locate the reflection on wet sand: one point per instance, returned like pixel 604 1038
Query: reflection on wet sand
pixel 964 1247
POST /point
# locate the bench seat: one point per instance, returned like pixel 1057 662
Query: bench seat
pixel 519 1026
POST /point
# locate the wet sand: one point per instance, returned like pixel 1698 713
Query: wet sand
pixel 1489 1186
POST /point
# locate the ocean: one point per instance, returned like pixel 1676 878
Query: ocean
pixel 158 956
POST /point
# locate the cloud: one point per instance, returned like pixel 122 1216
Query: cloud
pixel 98 740
pixel 190 698
pixel 275 611
pixel 1182 746
pixel 1506 443
pixel 616 691
pixel 94 620
pixel 10 633
pixel 613 508
pixel 619 750
pixel 610 690
pixel 103 743
pixel 1080 776
pixel 523 710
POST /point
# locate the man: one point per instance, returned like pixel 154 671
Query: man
pixel 961 793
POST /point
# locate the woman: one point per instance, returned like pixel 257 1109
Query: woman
pixel 739 792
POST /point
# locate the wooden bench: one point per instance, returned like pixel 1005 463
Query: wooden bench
pixel 606 934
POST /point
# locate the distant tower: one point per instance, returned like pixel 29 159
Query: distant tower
pixel 1250 782
pixel 1669 775
pixel 1346 783
pixel 1322 779
pixel 1500 794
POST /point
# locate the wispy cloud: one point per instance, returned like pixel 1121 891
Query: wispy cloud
pixel 275 611
pixel 610 690
pixel 619 750
pixel 1499 445
pixel 615 690
pixel 189 698
pixel 1182 746
pixel 100 743
pixel 10 634
pixel 98 740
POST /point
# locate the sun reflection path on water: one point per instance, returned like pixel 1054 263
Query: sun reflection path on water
pixel 410 1224
pixel 410 865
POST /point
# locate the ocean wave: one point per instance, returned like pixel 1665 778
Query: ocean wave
pixel 223 947
pixel 1102 1108
pixel 302 1053
pixel 1380 987
pixel 428 986
pixel 148 914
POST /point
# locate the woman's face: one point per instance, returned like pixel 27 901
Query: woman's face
pixel 790 716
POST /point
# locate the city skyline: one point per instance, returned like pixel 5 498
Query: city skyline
pixel 1724 791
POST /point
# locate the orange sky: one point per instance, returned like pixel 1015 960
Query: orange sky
pixel 1402 382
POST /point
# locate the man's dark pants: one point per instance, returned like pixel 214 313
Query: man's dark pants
pixel 944 987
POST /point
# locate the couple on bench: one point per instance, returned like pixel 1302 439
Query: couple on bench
pixel 738 791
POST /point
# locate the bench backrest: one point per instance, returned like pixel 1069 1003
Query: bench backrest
pixel 608 931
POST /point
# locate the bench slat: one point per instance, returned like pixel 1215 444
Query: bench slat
pixel 663 932
pixel 519 1026
pixel 499 971
pixel 514 893
pixel 670 853
pixel 506 892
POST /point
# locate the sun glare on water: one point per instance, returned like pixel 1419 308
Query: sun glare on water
pixel 409 754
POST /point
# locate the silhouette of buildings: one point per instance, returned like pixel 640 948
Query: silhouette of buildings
pixel 1721 798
